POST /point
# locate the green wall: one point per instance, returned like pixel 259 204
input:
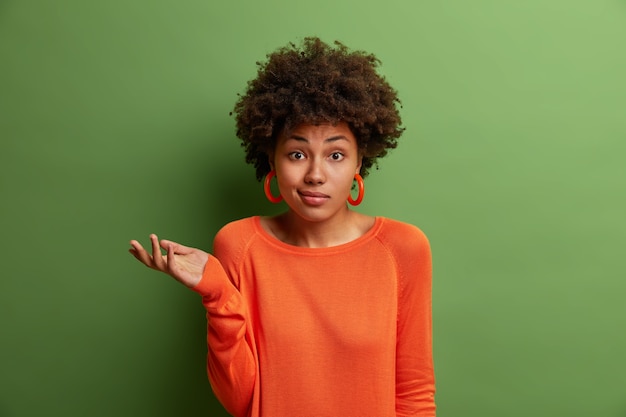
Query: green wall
pixel 114 124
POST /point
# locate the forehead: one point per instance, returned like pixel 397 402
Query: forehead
pixel 308 132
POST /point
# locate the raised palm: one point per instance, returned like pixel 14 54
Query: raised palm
pixel 183 263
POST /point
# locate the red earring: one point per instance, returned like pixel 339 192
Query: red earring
pixel 268 190
pixel 359 181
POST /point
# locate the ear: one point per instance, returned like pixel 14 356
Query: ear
pixel 359 164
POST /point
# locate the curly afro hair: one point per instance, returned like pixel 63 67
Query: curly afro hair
pixel 317 83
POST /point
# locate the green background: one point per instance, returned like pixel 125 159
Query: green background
pixel 114 123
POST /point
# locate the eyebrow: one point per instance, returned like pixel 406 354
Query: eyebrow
pixel 330 139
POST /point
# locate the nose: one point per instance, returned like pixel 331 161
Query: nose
pixel 315 173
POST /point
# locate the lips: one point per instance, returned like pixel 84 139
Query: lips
pixel 313 198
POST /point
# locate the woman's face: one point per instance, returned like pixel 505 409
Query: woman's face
pixel 315 166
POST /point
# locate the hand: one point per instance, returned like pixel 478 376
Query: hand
pixel 181 262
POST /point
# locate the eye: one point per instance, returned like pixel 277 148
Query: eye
pixel 336 156
pixel 296 155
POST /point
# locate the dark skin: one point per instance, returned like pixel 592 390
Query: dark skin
pixel 183 263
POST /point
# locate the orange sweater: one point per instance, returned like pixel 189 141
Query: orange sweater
pixel 339 331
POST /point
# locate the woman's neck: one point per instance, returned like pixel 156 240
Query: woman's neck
pixel 294 230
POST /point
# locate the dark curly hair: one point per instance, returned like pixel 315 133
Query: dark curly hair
pixel 317 83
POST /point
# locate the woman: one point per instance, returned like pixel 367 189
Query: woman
pixel 319 311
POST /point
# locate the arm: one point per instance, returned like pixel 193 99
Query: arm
pixel 415 381
pixel 230 364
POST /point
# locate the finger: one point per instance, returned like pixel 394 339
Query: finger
pixel 176 247
pixel 136 245
pixel 140 253
pixel 147 261
pixel 157 257
pixel 171 259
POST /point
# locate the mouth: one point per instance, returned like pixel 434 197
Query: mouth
pixel 313 198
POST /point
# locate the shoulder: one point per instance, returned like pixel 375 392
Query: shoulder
pixel 231 244
pixel 232 239
pixel 410 249
pixel 402 238
pixel 237 227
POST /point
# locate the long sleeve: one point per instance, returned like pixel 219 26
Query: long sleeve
pixel 335 331
pixel 415 381
pixel 231 365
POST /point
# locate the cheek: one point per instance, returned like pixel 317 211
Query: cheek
pixel 349 184
pixel 344 179
pixel 287 177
